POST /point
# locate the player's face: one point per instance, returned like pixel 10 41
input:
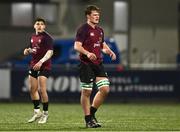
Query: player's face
pixel 39 26
pixel 94 17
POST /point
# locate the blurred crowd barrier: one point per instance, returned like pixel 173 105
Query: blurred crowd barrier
pixel 63 84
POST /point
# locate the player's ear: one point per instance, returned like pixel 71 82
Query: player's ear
pixel 34 26
pixel 88 16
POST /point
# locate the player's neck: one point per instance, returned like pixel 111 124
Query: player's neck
pixel 39 32
pixel 93 25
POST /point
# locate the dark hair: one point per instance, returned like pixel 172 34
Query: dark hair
pixel 39 19
pixel 91 8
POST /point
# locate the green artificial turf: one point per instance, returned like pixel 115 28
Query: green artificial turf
pixel 114 117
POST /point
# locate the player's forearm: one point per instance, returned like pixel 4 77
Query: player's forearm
pixel 78 47
pixel 106 49
pixel 82 50
pixel 47 56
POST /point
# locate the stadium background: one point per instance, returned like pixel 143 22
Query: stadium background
pixel 145 37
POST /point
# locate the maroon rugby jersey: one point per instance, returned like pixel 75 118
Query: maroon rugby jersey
pixel 41 43
pixel 92 40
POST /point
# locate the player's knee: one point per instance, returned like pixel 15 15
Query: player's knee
pixel 32 90
pixel 86 93
pixel 105 90
pixel 86 89
pixel 43 92
pixel 40 92
pixel 103 85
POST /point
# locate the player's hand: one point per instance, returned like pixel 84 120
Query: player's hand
pixel 37 66
pixel 27 51
pixel 112 55
pixel 91 56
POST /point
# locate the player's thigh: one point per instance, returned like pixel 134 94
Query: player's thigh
pixel 101 78
pixel 42 82
pixel 42 79
pixel 33 83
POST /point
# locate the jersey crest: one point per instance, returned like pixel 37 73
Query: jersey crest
pixel 39 40
pixel 91 34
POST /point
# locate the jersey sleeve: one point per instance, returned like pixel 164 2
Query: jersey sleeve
pixel 29 45
pixel 81 35
pixel 49 43
pixel 102 35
